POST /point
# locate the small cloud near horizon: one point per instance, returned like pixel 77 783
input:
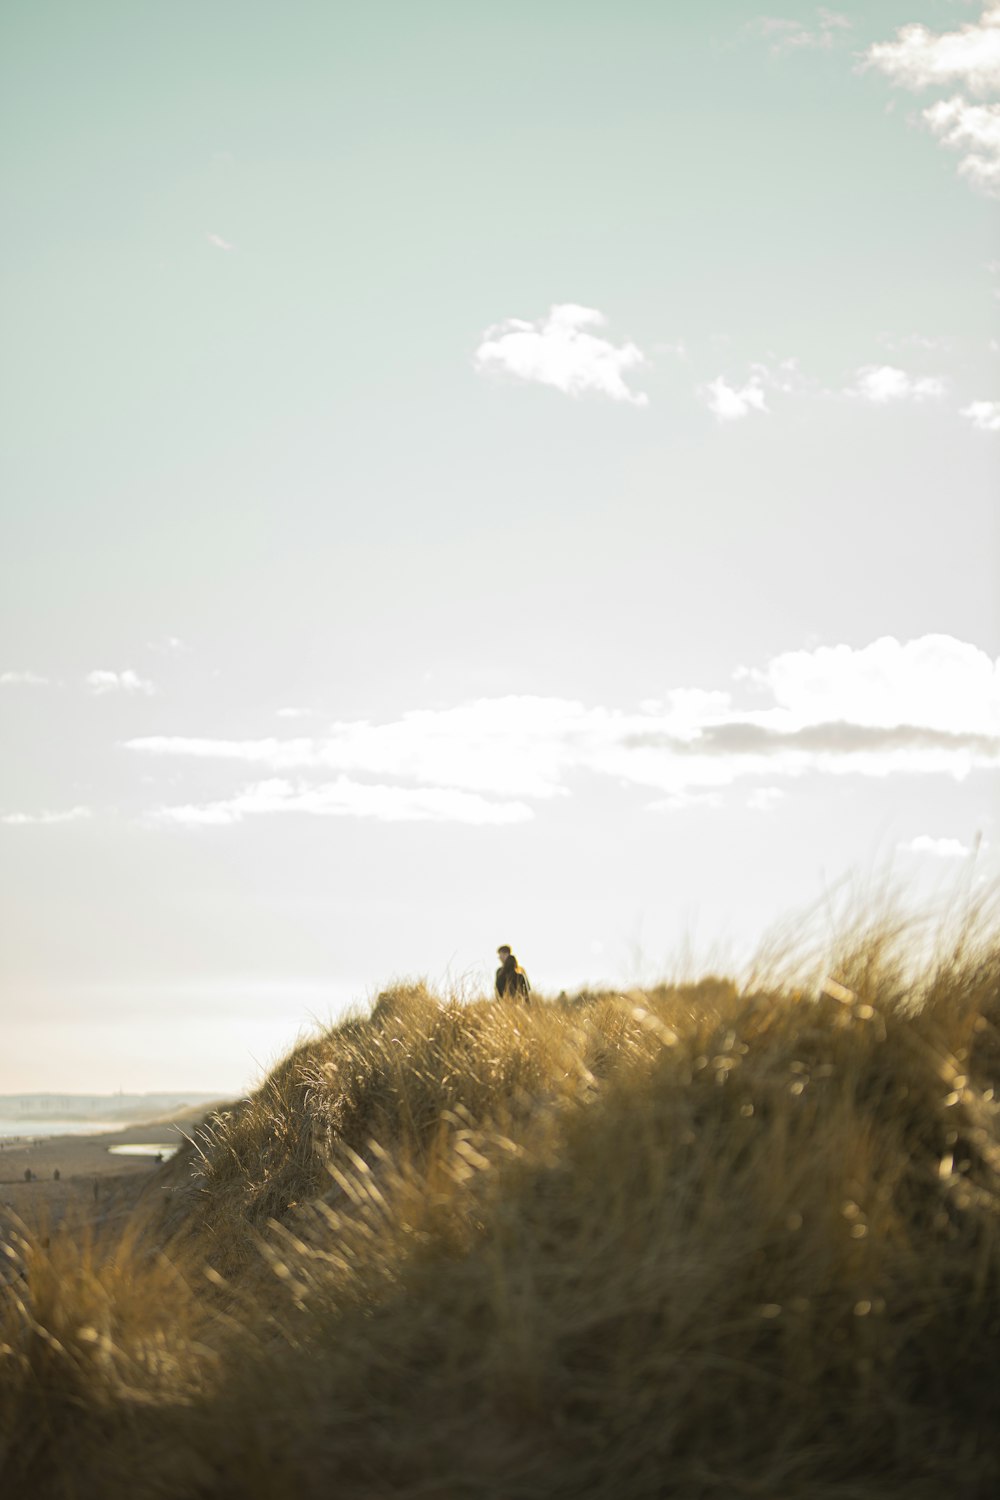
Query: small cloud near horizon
pixel 101 683
pixel 729 403
pixel 46 817
pixel 984 415
pixel 345 798
pixel 560 351
pixel 23 679
pixel 882 384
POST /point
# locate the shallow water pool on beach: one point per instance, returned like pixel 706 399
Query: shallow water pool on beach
pixel 143 1148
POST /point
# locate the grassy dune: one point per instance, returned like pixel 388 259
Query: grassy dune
pixel 703 1240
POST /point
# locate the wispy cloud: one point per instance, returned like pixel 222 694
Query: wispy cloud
pixel 919 58
pixel 983 414
pixel 783 35
pixel 344 798
pixel 920 707
pixel 923 342
pixel 101 683
pixel 883 384
pixel 218 241
pixel 560 351
pixel 23 679
pixel 21 819
pixel 169 645
pixel 685 801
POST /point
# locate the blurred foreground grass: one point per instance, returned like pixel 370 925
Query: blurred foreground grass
pixel 703 1240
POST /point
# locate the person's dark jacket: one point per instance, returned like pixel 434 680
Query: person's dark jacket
pixel 512 981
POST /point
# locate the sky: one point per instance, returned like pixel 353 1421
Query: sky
pixel 479 474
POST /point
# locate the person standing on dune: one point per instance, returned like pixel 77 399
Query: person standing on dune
pixel 511 981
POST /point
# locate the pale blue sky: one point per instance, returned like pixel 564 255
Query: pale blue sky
pixel 278 465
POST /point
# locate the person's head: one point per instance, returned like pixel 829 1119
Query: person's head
pixel 503 952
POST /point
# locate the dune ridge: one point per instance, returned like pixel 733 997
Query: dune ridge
pixel 705 1239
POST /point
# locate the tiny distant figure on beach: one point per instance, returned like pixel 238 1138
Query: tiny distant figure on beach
pixel 512 981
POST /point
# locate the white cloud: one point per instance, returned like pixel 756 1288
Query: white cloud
pixel 293 713
pixel 920 58
pixel 920 707
pixel 102 682
pixel 23 679
pixel 884 383
pixel 349 799
pixel 970 56
pixel 792 36
pixel 939 848
pixel 218 241
pixel 72 815
pixel 983 414
pixel 729 403
pixel 509 747
pixel 936 682
pixel 558 351
pixel 963 125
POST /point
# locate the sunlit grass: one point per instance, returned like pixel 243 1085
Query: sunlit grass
pixel 709 1239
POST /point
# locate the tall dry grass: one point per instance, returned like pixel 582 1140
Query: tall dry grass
pixel 704 1240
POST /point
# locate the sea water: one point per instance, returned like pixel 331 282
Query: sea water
pixel 27 1130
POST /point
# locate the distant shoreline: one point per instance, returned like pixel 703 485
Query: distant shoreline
pixel 90 1178
pixel 38 1106
pixel 43 1129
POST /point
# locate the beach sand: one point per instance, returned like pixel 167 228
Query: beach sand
pixel 92 1180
